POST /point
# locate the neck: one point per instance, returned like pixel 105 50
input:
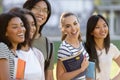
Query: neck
pixel 25 48
pixel 99 44
pixel 73 41
pixel 14 47
pixel 37 36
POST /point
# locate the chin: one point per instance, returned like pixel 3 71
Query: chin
pixel 21 41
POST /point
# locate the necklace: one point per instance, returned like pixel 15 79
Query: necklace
pixel 100 53
pixel 14 53
pixel 100 50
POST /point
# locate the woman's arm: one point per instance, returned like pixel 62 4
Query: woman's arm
pixel 4 69
pixel 62 75
pixel 117 77
pixel 49 75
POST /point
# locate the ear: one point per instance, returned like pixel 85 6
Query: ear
pixel 64 31
pixel 6 34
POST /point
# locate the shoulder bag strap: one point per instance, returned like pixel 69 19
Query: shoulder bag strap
pixel 50 48
pixel 46 47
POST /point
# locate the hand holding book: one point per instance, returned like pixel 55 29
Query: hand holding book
pixel 75 62
pixel 91 70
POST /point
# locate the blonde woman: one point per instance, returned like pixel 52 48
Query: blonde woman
pixel 71 44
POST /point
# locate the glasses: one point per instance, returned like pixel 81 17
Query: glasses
pixel 45 10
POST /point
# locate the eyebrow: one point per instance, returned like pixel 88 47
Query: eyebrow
pixel 16 24
pixel 40 7
pixel 75 21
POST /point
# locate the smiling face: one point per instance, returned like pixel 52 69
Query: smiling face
pixel 71 26
pixel 101 30
pixel 15 31
pixel 32 25
pixel 40 10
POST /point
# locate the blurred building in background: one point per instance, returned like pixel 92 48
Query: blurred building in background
pixel 8 4
pixel 111 8
pixel 82 8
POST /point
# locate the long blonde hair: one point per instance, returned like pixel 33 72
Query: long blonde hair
pixel 63 16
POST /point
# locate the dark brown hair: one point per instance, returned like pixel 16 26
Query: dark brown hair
pixel 4 20
pixel 26 12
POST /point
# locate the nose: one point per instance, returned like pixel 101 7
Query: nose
pixel 102 28
pixel 73 28
pixel 21 29
pixel 38 12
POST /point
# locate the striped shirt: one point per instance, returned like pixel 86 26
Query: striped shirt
pixel 7 54
pixel 67 50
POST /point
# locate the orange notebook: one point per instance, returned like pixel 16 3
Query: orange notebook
pixel 19 68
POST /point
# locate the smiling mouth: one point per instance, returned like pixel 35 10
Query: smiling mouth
pixel 21 35
pixel 74 33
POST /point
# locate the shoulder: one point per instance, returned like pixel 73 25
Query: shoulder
pixel 45 39
pixel 112 46
pixel 36 50
pixel 3 47
pixel 48 40
pixel 4 50
pixel 64 46
pixel 114 50
pixel 63 50
pixel 38 54
pixel 41 38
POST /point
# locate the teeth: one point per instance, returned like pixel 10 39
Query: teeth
pixel 103 33
pixel 39 17
pixel 21 34
pixel 74 32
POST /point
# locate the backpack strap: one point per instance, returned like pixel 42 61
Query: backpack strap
pixel 49 49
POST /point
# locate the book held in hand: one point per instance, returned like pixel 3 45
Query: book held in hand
pixel 91 70
pixel 19 68
pixel 73 63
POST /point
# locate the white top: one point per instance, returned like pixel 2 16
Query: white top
pixel 34 69
pixel 105 62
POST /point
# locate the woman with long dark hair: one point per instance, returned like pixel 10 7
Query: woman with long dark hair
pixel 29 53
pixel 13 31
pixel 99 47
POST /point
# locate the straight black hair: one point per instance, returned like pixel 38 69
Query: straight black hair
pixel 29 4
pixel 90 43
